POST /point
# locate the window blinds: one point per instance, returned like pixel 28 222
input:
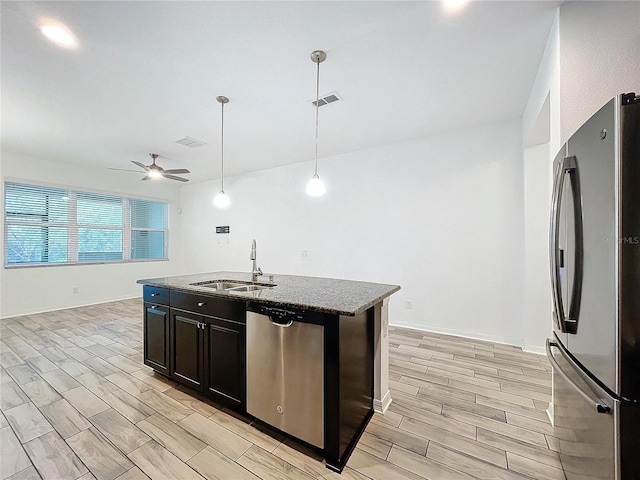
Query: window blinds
pixel 45 226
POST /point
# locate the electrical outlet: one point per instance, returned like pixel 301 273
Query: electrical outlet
pixel 409 304
pixel 304 253
pixel 76 289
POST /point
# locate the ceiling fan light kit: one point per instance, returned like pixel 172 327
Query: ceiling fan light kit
pixel 155 171
pixel 222 200
pixel 316 187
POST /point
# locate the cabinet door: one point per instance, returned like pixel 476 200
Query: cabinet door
pixel 156 337
pixel 225 361
pixel 187 353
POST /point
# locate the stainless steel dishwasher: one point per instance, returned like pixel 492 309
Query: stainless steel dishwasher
pixel 285 365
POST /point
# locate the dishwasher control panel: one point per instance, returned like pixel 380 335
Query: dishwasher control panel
pixel 285 315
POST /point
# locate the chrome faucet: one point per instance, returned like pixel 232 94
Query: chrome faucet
pixel 255 271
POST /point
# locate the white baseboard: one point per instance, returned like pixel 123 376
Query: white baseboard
pixel 540 350
pixel 380 406
pixel 66 307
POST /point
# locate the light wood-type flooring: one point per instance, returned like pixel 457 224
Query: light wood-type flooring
pixel 77 402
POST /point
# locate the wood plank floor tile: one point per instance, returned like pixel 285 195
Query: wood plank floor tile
pixel 507 406
pixel 160 464
pixel 62 465
pixel 543 426
pixel 157 381
pixel 40 392
pixel 194 401
pixel 170 408
pixel 60 380
pixel 101 367
pixel 171 436
pixel 27 422
pixel 12 395
pixel 469 464
pixel 377 469
pixel 455 441
pixel 399 436
pixel 444 388
pixel 133 474
pixel 3 421
pixel 41 364
pixel 254 432
pixel 65 419
pixel 513 431
pixel 533 469
pixel 123 363
pixel 269 467
pixel 22 374
pixel 301 457
pixel 84 401
pixel 402 387
pixel 118 430
pixel 423 466
pixel 212 465
pixel 14 458
pixel 128 383
pixel 103 460
pixel 29 473
pixel 215 435
pixel 128 406
pixel 515 445
pixel 374 445
pixel 447 423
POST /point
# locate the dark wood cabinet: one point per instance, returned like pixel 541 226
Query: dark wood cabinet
pixel 156 329
pixel 208 355
pixel 225 360
pixel 156 337
pixel 187 349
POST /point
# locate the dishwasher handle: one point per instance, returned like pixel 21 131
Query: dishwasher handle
pixel 278 316
pixel 281 322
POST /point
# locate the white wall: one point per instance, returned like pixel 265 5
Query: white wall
pixel 599 57
pixel 441 216
pixel 38 289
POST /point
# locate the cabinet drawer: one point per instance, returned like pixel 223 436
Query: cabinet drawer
pixel 155 295
pixel 212 306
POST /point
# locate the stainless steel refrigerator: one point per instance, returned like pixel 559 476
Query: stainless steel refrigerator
pixel 595 273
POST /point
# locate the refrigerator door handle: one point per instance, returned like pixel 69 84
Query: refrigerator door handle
pixel 569 323
pixel 554 238
pixel 598 404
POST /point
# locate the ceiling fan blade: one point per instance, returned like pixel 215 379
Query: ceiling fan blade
pixel 172 177
pixel 177 171
pixel 141 165
pixel 146 177
pixel 125 170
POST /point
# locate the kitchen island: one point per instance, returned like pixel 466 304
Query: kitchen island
pixel 211 332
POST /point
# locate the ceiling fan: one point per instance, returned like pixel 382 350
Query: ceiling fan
pixel 156 171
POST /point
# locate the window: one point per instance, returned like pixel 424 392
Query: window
pixel 50 226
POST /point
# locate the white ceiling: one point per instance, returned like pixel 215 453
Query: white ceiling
pixel 146 74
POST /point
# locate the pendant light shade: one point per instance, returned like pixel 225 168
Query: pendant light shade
pixel 222 200
pixel 316 187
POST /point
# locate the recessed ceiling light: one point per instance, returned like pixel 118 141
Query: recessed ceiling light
pixel 58 34
pixel 453 4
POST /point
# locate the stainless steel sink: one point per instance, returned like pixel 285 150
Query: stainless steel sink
pixel 232 285
pixel 249 288
pixel 218 284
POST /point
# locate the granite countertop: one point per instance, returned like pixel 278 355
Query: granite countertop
pixel 328 295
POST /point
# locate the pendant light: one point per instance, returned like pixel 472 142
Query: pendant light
pixel 222 200
pixel 315 187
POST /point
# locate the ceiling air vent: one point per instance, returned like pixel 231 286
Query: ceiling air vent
pixel 190 142
pixel 326 99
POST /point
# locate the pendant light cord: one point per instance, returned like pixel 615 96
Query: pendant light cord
pixel 222 151
pixel 317 104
